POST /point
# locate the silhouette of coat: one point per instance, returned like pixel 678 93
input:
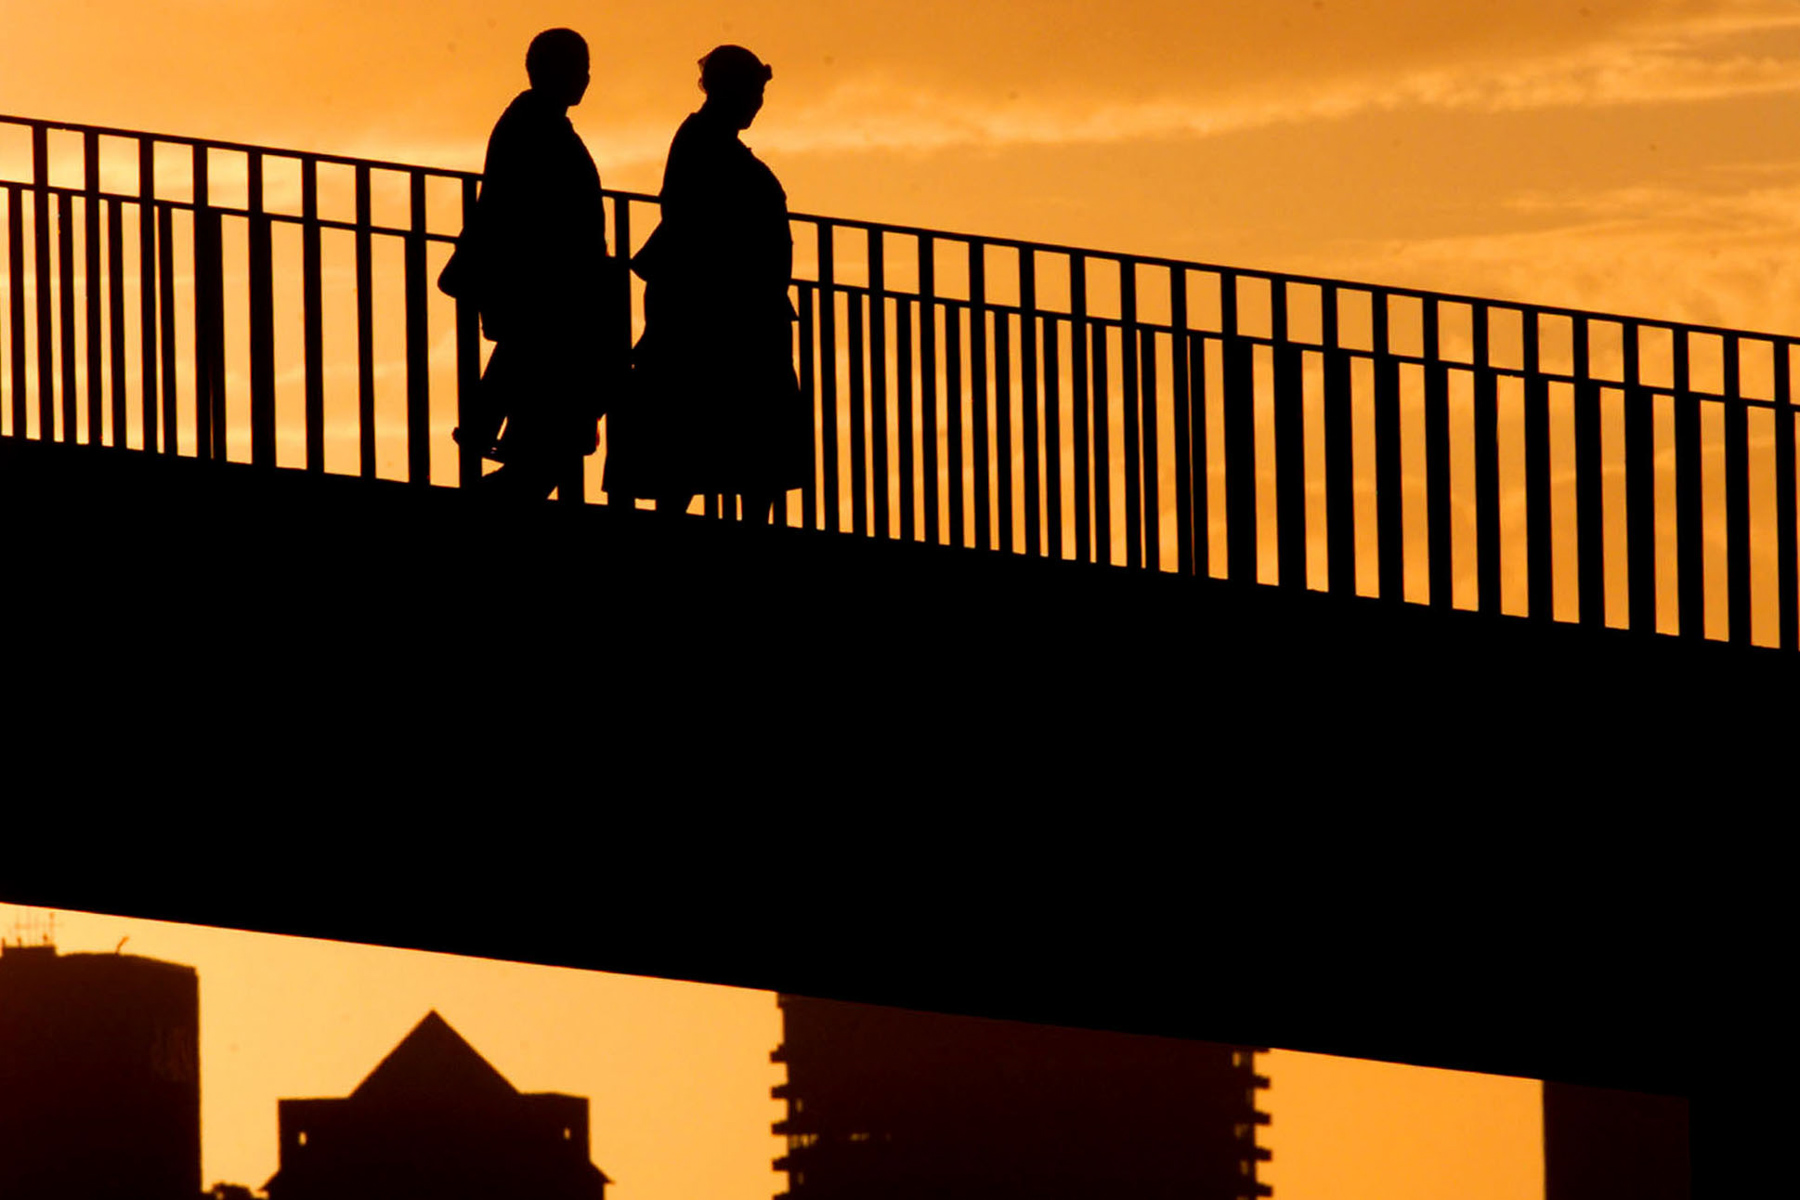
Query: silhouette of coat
pixel 534 262
pixel 714 403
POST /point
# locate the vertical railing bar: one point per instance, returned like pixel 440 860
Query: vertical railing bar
pixel 165 261
pixel 205 383
pixel 905 362
pixel 1439 563
pixel 215 284
pixel 90 213
pixel 1540 585
pixel 1152 460
pixel 1199 469
pixel 1101 393
pixel 1640 488
pixel 470 358
pixel 418 346
pixel 1290 443
pixel 1737 495
pixel 1690 530
pixel 147 291
pixel 40 237
pixel 1389 509
pixel 468 350
pixel 313 300
pixel 859 434
pixel 1078 406
pixel 1787 524
pixel 1487 464
pixel 1240 436
pixel 1029 400
pixel 981 422
pixel 928 389
pixel 365 327
pixel 1051 349
pixel 115 302
pixel 809 388
pixel 953 400
pixel 1003 432
pixel 1340 462
pixel 1181 433
pixel 826 374
pixel 1131 411
pixel 65 270
pixel 262 322
pixel 880 466
pixel 1590 524
pixel 15 269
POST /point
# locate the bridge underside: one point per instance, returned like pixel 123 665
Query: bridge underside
pixel 894 773
pixel 270 572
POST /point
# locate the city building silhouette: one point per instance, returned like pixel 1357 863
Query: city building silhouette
pixel 435 1119
pixel 884 1103
pixel 99 1076
pixel 1602 1142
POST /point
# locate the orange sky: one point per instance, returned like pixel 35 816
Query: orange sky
pixel 1632 155
pixel 678 1074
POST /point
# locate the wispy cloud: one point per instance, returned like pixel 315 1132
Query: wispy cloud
pixel 1710 257
pixel 1696 60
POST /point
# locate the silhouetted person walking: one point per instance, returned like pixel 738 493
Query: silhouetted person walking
pixel 714 406
pixel 534 262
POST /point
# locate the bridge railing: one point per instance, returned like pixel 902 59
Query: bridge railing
pixel 221 300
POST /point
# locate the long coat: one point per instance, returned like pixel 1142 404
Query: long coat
pixel 533 260
pixel 714 405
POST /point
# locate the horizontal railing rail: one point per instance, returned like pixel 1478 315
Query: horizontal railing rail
pixel 181 295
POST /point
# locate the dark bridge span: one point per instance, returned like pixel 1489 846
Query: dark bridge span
pixel 964 778
pixel 208 299
pixel 933 777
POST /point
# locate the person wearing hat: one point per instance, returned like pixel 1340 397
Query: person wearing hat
pixel 714 406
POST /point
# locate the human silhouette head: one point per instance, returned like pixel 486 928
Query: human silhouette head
pixel 733 80
pixel 556 62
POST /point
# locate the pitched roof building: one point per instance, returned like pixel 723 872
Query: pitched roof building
pixel 435 1119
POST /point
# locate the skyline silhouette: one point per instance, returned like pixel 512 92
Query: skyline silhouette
pixel 434 1031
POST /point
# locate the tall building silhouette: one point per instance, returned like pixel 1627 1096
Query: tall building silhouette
pixel 435 1120
pixel 886 1103
pixel 99 1077
pixel 1601 1143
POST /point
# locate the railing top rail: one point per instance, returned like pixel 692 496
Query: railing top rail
pixel 1388 289
pixel 1117 256
pixel 244 147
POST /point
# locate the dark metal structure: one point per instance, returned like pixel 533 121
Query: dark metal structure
pixel 1453 497
pixel 968 390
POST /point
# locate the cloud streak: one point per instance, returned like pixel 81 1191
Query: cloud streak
pixel 1698 61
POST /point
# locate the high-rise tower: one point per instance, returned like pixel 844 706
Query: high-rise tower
pixel 886 1103
pixel 99 1077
